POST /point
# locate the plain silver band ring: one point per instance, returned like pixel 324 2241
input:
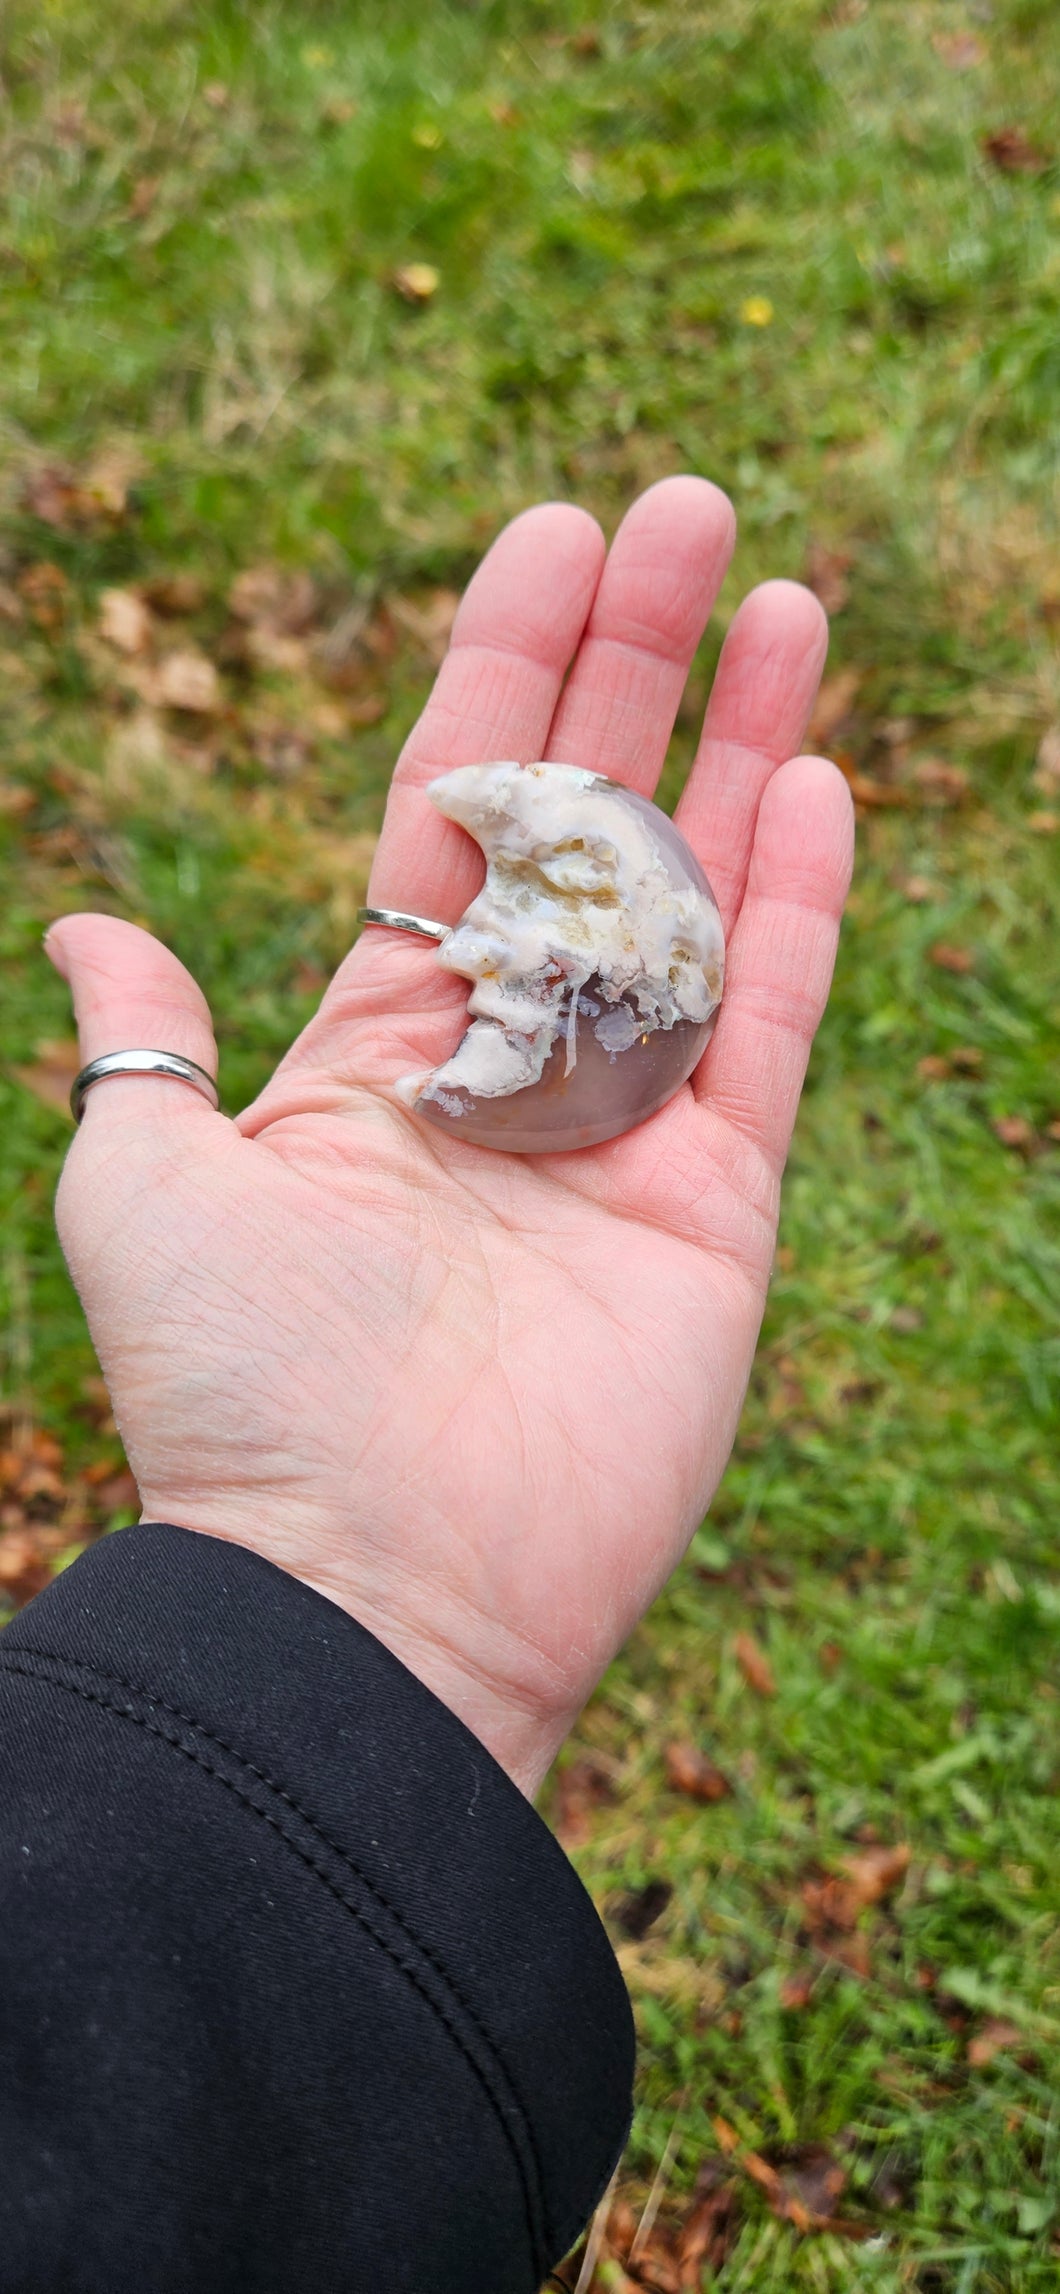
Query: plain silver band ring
pixel 399 921
pixel 169 1063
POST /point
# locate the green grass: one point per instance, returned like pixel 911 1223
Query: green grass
pixel 205 209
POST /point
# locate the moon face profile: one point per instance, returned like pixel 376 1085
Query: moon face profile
pixel 596 956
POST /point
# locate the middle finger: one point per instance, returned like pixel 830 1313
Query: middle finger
pixel 663 572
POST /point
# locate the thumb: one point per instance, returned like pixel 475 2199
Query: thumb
pixel 131 994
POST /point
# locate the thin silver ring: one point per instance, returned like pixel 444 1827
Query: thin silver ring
pixel 169 1063
pixel 399 921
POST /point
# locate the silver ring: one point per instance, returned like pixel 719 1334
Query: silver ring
pixel 398 921
pixel 169 1063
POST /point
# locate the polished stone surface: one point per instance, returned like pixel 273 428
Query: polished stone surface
pixel 596 955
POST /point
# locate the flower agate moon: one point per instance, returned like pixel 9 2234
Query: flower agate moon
pixel 596 951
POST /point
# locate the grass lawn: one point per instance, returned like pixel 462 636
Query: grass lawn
pixel 299 303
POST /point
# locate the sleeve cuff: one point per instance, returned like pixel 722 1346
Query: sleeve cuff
pixel 386 1798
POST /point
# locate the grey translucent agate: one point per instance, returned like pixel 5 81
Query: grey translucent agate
pixel 597 956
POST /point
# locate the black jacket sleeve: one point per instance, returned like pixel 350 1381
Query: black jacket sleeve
pixel 296 1990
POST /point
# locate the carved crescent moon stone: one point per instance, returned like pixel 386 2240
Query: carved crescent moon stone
pixel 597 956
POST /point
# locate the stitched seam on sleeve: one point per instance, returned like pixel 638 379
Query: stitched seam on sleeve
pixel 210 1736
pixel 9 1662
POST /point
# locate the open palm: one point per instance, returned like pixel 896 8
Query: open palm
pixel 480 1400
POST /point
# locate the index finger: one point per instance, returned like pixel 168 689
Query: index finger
pixel 495 694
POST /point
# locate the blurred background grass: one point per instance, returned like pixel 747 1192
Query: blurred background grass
pixel 299 304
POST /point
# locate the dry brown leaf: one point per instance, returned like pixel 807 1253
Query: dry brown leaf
pixel 24 1570
pixel 100 1470
pixel 959 51
pixel 1043 823
pixel 852 1952
pixel 142 197
pixel 1015 1131
pixel 833 704
pixel 754 1665
pixel 709 2227
pixel 934 1068
pixel 1046 775
pixel 826 574
pixel 264 597
pixel 940 782
pixel 44 589
pixel 16 800
pixel 865 790
pixel 51 1076
pixel 833 1905
pixel 53 494
pixel 187 680
pixel 688 1770
pixel 119 1494
pixel 125 621
pixel 72 501
pixel 876 1872
pixel 992 2037
pixel 796 1992
pixel 727 2138
pixel 174 595
pixel 587 1784
pixel 369 710
pixel 950 958
pixel 1010 150
pixel 428 620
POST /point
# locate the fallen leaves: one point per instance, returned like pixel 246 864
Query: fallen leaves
pixel 993 2037
pixel 940 782
pixel 965 1060
pixel 186 680
pixel 428 620
pixel 266 597
pixel 688 1770
pixel 835 700
pixel 826 573
pixel 959 51
pixel 174 595
pixel 947 956
pixel 44 590
pixel 45 1512
pixel 838 1900
pixel 1046 775
pixel 795 1993
pixel 50 1076
pixel 79 501
pixel 125 621
pixel 582 1787
pixel 1011 151
pixel 1015 1131
pixel 754 1665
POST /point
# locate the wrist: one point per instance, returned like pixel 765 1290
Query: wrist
pixel 520 1718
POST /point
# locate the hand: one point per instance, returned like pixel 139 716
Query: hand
pixel 481 1401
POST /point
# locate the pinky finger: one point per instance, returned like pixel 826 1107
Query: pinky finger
pixel 781 955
